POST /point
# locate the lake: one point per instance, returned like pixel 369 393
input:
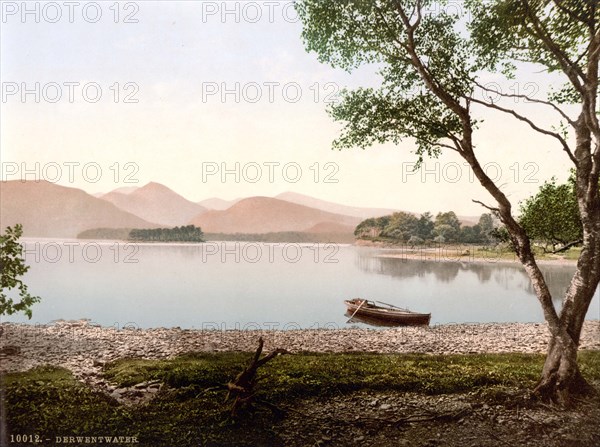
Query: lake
pixel 265 286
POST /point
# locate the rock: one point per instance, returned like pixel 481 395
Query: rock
pixel 116 394
pixel 385 406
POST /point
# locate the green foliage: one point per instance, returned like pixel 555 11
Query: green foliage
pixel 552 215
pixel 415 240
pixel 400 226
pixel 425 226
pixel 12 268
pixel 406 228
pixel 351 33
pixel 514 29
pixel 189 233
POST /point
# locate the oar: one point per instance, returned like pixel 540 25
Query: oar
pixel 359 306
pixel 391 305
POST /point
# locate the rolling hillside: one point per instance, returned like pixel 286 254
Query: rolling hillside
pixel 49 210
pixel 266 214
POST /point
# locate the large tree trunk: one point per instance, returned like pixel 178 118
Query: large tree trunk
pixel 561 377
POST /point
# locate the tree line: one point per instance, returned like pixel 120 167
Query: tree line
pixel 403 227
pixel 188 233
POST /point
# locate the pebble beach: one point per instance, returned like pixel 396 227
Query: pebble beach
pixel 84 348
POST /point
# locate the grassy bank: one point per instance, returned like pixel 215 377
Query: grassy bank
pixel 189 410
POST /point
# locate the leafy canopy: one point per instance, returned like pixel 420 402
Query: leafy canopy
pixel 552 215
pixel 350 33
pixel 12 268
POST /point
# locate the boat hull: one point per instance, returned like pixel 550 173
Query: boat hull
pixel 387 316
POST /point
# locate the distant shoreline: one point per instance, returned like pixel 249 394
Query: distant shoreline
pixel 452 253
pixel 473 259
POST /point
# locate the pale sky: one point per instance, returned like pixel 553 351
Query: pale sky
pixel 176 61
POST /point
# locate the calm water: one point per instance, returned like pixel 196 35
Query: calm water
pixel 251 285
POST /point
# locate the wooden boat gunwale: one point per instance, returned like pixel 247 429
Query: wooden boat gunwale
pixel 368 308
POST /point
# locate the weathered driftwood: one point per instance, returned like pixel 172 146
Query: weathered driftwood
pixel 241 389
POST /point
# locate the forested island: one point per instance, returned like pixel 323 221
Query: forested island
pixel 195 234
pixel 187 233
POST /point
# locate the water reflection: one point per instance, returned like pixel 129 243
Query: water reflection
pixel 503 274
pixel 274 286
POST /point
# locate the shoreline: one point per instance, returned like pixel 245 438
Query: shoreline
pixel 84 348
pixel 463 254
pixel 471 259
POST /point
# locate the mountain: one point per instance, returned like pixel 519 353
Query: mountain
pixel 126 189
pixel 49 210
pixel 355 211
pixel 156 203
pixel 214 203
pixel 266 214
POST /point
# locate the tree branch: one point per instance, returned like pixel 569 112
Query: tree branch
pixel 535 127
pixel 527 98
pixel 429 80
pixel 572 70
pixel 491 208
pixel 570 13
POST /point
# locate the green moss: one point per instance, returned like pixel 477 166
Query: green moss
pixel 309 374
pixel 50 402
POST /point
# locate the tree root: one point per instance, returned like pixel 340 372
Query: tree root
pixel 562 393
pixel 241 389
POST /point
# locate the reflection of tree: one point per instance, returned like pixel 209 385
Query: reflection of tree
pixel 403 268
pixel 558 278
pixel 504 274
pixel 483 272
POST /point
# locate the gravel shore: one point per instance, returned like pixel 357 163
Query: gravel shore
pixel 83 347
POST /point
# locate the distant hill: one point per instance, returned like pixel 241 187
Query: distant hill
pixel 331 227
pixel 313 202
pixel 156 203
pixel 268 215
pixel 126 189
pixel 49 210
pixel 215 203
pixel 363 213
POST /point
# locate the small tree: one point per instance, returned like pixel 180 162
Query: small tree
pixel 12 268
pixel 552 216
pixel 486 226
pixel 415 240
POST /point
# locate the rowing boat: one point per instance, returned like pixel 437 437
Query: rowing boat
pixel 366 309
